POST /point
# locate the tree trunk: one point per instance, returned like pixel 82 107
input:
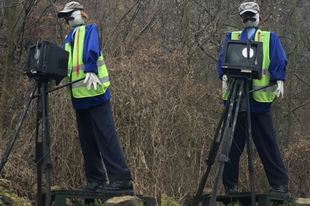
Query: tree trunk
pixel 292 75
pixel 5 94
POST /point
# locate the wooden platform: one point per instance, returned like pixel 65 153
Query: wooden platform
pixel 244 199
pixel 59 196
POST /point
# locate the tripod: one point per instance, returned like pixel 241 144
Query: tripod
pixel 42 145
pixel 42 157
pixel 223 140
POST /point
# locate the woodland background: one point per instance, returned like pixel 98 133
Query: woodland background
pixel 166 95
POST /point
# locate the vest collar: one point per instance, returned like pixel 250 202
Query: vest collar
pixel 75 29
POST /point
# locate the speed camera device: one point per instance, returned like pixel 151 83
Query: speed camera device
pixel 243 59
pixel 46 59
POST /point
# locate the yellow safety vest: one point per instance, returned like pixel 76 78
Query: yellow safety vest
pixel 267 94
pixel 76 69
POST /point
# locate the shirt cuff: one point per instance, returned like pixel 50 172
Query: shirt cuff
pixel 91 68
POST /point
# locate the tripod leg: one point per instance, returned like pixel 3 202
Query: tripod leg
pixel 39 153
pixel 46 143
pixel 17 128
pixel 213 151
pixel 227 137
pixel 249 145
pixel 211 157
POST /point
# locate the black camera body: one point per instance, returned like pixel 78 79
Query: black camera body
pixel 47 60
pixel 243 59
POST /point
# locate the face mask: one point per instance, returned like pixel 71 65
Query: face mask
pixel 75 19
pixel 250 22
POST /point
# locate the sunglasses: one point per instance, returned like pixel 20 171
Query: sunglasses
pixel 248 19
pixel 68 18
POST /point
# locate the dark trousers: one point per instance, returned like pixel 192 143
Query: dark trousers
pixel 264 138
pixel 99 141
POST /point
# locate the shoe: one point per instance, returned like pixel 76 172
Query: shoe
pixel 93 186
pixel 231 189
pixel 125 185
pixel 279 191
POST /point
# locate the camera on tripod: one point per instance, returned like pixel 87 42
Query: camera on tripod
pixel 243 59
pixel 45 59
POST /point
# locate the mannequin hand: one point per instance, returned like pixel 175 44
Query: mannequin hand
pixel 280 88
pixel 224 83
pixel 91 79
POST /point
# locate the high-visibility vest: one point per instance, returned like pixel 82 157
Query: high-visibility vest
pixel 266 94
pixel 76 69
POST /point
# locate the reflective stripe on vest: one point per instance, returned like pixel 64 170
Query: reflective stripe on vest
pixel 76 69
pixel 265 94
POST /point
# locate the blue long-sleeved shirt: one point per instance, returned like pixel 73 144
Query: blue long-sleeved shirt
pixel 277 67
pixel 91 52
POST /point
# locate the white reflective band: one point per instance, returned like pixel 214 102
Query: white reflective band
pixel 265 72
pixel 100 63
pixel 267 89
pixel 81 84
pixel 82 66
